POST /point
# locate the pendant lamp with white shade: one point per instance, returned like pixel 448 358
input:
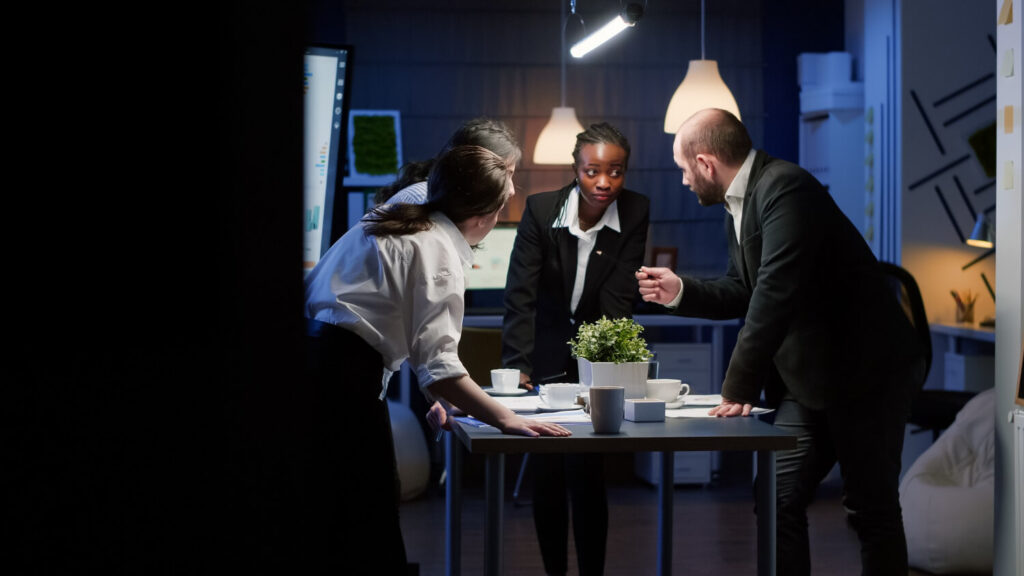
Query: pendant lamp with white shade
pixel 558 138
pixel 702 88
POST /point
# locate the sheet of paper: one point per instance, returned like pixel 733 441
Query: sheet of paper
pixel 567 417
pixel 702 400
pixel 702 412
pixel 564 417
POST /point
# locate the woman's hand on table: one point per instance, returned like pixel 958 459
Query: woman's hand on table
pixel 437 417
pixel 526 427
pixel 728 408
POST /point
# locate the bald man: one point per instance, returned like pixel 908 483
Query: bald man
pixel 823 337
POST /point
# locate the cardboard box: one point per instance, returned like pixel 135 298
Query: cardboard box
pixel 643 410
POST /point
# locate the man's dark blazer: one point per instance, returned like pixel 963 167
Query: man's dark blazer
pixel 820 321
pixel 540 280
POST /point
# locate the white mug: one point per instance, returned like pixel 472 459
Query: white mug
pixel 505 380
pixel 666 389
pixel 559 395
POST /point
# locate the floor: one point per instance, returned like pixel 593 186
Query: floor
pixel 715 531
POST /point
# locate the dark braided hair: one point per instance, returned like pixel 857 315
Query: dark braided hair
pixel 600 133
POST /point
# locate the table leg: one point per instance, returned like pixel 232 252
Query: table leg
pixel 453 505
pixel 765 513
pixel 665 487
pixel 494 497
pixel 717 377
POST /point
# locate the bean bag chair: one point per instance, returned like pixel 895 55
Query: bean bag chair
pixel 948 494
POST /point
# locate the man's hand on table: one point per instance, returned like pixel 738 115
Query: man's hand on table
pixel 728 408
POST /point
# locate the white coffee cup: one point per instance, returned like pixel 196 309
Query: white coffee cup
pixel 666 389
pixel 505 380
pixel 558 395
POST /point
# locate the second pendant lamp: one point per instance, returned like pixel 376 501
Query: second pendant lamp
pixel 702 88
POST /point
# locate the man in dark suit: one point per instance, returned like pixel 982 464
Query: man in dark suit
pixel 575 254
pixel 823 337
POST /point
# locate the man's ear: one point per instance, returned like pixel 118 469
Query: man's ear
pixel 705 162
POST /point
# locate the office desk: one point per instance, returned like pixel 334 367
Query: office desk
pixel 674 434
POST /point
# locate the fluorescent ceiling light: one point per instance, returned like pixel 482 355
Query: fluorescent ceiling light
pixel 629 17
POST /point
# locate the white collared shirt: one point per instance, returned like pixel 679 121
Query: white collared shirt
pixel 737 192
pixel 569 218
pixel 402 294
pixel 735 195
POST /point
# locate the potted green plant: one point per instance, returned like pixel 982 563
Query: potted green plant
pixel 612 353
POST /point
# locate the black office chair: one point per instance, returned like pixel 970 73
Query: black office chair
pixel 932 410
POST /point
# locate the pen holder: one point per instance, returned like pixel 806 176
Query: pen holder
pixel 965 313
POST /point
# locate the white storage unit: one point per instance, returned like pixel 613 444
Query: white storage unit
pixel 832 132
pixel 690 363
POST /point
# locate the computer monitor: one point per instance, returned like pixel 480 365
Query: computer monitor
pixel 326 88
pixel 485 283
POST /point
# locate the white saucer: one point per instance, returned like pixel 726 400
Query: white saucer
pixel 679 402
pixel 517 392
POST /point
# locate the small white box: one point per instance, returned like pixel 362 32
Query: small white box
pixel 643 410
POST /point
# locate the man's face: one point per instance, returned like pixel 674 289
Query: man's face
pixel 708 192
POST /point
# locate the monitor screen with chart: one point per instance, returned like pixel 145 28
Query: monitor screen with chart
pixel 326 74
pixel 485 282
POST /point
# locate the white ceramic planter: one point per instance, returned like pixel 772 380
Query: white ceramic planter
pixel 630 375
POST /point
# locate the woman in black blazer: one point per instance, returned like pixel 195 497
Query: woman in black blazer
pixel 574 260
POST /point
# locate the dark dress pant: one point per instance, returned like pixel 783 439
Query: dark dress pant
pixel 865 436
pixel 559 479
pixel 349 488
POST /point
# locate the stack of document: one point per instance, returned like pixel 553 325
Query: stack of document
pixel 697 406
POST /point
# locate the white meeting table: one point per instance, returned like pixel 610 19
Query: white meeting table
pixel 672 435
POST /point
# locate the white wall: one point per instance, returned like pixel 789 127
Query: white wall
pixel 948 69
pixel 1009 287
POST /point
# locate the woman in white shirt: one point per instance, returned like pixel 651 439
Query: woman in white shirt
pixel 392 289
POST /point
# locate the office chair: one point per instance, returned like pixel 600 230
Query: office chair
pixel 932 410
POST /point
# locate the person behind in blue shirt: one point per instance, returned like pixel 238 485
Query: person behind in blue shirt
pixel 411 185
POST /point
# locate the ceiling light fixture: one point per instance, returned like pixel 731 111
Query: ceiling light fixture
pixel 558 137
pixel 701 88
pixel 629 16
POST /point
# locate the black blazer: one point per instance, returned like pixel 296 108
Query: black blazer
pixel 538 290
pixel 820 321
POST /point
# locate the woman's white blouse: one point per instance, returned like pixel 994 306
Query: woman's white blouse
pixel 402 294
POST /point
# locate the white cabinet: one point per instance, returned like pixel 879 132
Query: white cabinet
pixel 690 363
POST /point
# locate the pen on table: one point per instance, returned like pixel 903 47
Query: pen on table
pixel 547 379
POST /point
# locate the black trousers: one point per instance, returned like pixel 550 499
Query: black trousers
pixel 557 479
pixel 865 436
pixel 350 485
